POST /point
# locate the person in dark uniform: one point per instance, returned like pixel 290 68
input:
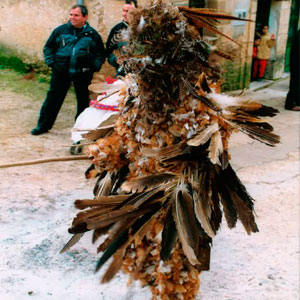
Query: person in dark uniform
pixel 292 101
pixel 74 51
pixel 114 41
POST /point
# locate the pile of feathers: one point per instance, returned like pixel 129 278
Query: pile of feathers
pixel 161 166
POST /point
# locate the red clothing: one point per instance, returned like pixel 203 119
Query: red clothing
pixel 259 67
pixel 254 52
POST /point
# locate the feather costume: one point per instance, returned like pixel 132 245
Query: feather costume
pixel 163 173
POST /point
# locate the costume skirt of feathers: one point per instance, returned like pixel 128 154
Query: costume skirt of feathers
pixel 163 177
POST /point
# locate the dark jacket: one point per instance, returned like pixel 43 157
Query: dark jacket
pixel 114 42
pixel 73 50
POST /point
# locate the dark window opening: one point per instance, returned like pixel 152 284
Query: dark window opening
pixel 197 3
pixel 262 14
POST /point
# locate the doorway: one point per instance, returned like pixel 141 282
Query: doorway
pixel 262 14
pixel 262 19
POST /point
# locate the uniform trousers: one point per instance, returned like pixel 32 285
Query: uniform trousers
pixel 59 85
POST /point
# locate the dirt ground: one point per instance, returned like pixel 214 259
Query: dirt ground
pixel 37 208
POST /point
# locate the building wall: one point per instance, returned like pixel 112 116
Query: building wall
pixel 26 25
pixel 237 73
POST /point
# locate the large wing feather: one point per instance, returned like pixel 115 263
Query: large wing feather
pixel 209 13
pixel 169 236
pixel 145 182
pixel 186 223
pixel 215 148
pixel 73 240
pixel 124 239
pixel 204 135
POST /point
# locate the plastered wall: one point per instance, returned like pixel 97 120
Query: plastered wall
pixel 25 25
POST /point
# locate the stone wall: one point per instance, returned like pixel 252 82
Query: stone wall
pixel 25 25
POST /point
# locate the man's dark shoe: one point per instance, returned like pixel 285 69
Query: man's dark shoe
pixel 38 131
pixel 76 148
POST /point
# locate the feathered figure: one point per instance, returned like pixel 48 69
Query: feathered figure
pixel 163 173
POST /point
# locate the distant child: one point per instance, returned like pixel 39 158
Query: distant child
pixel 254 57
pixel 267 41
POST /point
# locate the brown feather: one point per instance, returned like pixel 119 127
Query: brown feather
pixel 262 135
pixel 118 215
pixel 245 213
pixel 146 182
pixel 243 118
pixel 199 23
pixel 245 106
pixel 167 153
pixel 103 130
pixel 183 214
pixel 96 134
pixel 204 135
pixel 215 148
pixel 210 13
pixel 124 240
pixel 84 215
pixel 203 84
pixel 115 231
pixel 103 186
pixel 73 240
pixel 169 236
pixel 202 202
pixel 99 232
pixel 203 99
pixel 257 133
pixel 101 200
pixel 114 267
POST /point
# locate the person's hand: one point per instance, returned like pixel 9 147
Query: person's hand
pixel 272 37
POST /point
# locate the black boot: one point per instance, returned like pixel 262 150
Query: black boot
pixel 37 131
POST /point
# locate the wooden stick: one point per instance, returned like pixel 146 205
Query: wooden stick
pixel 97 128
pixel 108 95
pixel 44 160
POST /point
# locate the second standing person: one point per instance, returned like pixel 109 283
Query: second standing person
pixel 114 41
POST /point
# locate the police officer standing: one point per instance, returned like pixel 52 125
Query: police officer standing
pixel 74 51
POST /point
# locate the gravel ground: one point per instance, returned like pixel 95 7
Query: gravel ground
pixel 37 208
